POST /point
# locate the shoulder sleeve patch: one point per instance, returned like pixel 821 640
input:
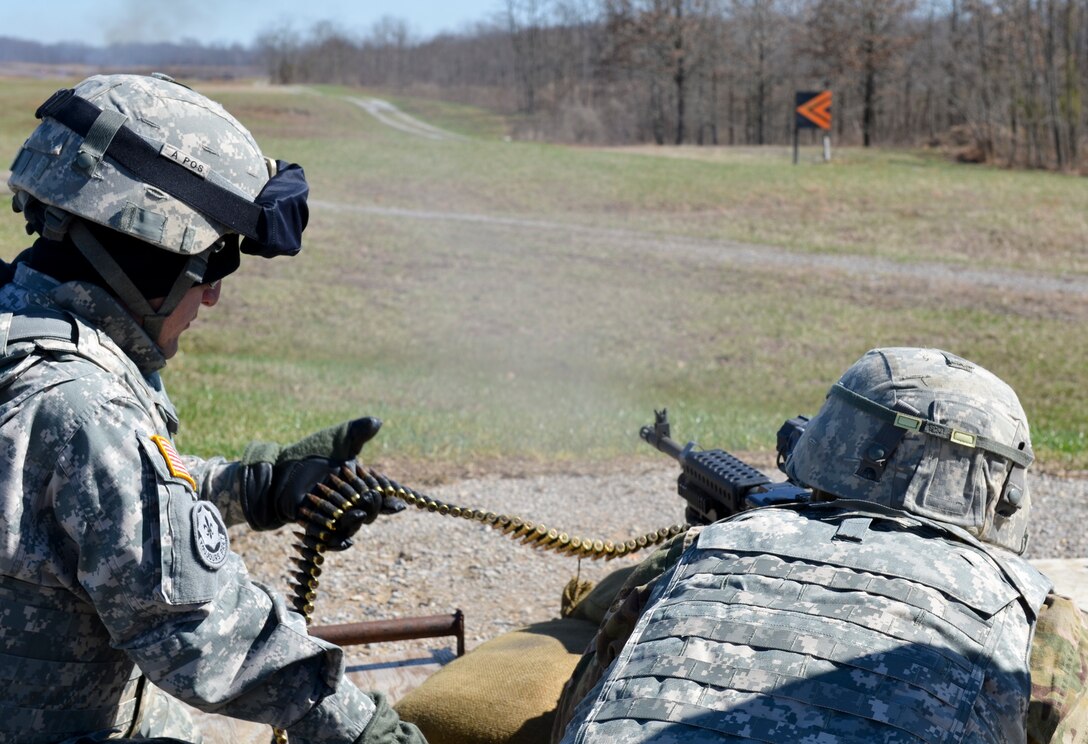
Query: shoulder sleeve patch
pixel 209 535
pixel 173 461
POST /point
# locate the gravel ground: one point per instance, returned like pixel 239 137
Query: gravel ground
pixel 418 563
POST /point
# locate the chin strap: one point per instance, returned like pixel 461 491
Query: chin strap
pixel 151 319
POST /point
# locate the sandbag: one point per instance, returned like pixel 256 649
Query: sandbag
pixel 502 692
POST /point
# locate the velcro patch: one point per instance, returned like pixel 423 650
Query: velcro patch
pixel 209 535
pixel 173 460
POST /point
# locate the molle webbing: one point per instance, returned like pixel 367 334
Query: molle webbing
pixel 60 675
pixel 810 590
pixel 929 669
pixel 711 720
pixel 791 624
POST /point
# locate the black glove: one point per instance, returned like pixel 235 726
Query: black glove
pixel 281 484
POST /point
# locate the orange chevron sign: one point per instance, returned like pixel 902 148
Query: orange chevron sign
pixel 814 110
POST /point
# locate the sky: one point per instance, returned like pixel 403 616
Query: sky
pixel 100 22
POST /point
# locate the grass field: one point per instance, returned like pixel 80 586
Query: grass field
pixel 496 300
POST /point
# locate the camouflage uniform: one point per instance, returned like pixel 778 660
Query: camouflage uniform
pixel 843 621
pixel 115 572
pixel 892 608
pixel 115 568
pixel 1058 708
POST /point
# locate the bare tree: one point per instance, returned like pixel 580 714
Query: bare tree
pixel 527 21
pixel 861 38
pixel 280 50
pixel 757 33
pixel 997 80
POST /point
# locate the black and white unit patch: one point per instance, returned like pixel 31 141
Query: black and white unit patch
pixel 209 535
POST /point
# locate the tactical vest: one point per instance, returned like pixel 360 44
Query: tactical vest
pixel 60 674
pixel 840 622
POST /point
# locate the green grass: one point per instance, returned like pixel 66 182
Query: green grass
pixel 477 341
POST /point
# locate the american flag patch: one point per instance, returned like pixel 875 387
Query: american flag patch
pixel 173 461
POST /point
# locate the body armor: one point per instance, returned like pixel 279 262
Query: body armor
pixel 839 622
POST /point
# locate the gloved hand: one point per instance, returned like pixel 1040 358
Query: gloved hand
pixel 279 484
pixel 385 726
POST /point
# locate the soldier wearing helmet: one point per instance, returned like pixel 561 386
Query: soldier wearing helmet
pixel 893 607
pixel 118 589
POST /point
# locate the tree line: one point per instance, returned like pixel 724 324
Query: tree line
pixel 998 80
pixel 1002 80
pixel 221 60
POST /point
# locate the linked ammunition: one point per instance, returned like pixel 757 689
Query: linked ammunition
pixel 302 578
pixel 535 535
pixel 383 482
pixel 370 481
pixel 332 507
pixel 315 519
pixel 312 557
pixel 304 592
pixel 310 542
pixel 317 533
pixel 346 490
pixel 329 496
pixel 308 567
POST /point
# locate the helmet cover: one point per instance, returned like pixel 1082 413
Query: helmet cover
pixel 946 439
pixel 178 122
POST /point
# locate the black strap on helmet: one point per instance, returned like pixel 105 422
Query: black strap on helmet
pixel 272 225
pixel 897 424
pixel 908 422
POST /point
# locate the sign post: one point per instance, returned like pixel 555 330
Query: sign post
pixel 813 112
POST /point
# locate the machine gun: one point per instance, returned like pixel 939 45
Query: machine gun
pixel 716 484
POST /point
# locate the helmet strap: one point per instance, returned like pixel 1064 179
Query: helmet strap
pixel 917 423
pixel 151 319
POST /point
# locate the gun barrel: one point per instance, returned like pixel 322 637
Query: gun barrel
pixel 665 444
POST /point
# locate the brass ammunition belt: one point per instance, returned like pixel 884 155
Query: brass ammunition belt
pixel 539 535
pixel 325 507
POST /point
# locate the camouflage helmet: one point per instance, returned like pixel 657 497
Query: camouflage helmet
pixel 924 431
pixel 62 169
pixel 152 159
